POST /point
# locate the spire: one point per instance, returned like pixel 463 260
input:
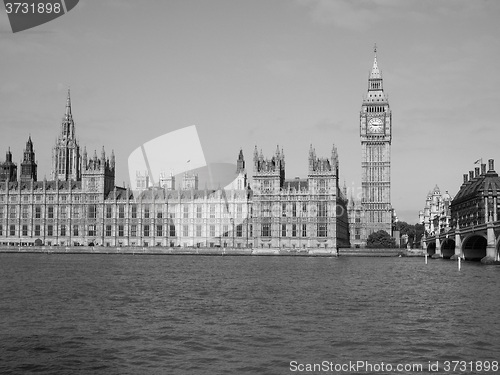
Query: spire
pixel 112 159
pixel 375 73
pixel 84 160
pixel 68 105
pixel 240 163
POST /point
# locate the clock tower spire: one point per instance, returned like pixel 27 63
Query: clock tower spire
pixel 376 138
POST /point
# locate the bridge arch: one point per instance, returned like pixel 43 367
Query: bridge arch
pixel 474 247
pixel 448 248
pixel 497 246
pixel 431 248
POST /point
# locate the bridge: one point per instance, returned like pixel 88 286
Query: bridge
pixel 474 229
pixel 477 242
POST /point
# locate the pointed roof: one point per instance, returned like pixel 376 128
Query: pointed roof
pixel 375 73
pixel 29 145
pixel 68 105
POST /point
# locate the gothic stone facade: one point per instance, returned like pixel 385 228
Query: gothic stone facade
pixel 81 205
pixel 301 213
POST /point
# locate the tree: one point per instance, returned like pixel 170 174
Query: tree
pixel 414 232
pixel 419 232
pixel 380 239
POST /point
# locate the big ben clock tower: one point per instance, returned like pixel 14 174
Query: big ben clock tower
pixel 376 134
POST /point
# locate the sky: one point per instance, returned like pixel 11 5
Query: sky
pixel 263 73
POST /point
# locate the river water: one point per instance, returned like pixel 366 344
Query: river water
pixel 125 314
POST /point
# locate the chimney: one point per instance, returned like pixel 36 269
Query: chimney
pixel 477 172
pixel 491 165
pixel 483 168
pixel 471 175
pixel 466 178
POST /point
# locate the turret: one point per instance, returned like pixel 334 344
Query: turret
pixel 255 158
pixel 240 182
pixel 8 171
pixel 240 163
pixel 84 159
pixel 28 165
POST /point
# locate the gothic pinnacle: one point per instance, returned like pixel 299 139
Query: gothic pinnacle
pixel 68 105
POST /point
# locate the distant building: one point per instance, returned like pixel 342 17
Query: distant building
pixel 436 215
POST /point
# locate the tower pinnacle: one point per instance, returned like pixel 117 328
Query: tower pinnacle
pixel 68 105
pixel 375 73
pixel 66 152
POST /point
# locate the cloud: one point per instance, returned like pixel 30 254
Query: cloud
pixel 329 125
pixel 362 15
pixel 284 67
pixel 353 15
pixel 9 88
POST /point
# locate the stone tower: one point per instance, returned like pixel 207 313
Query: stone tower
pixel 98 174
pixel 28 165
pixel 376 136
pixel 66 161
pixel 189 181
pixel 269 174
pixel 8 170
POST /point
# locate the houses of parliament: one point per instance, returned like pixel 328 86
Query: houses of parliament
pixel 80 205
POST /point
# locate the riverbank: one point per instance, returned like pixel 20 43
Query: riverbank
pixel 207 251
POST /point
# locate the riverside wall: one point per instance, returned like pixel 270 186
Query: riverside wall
pixel 207 251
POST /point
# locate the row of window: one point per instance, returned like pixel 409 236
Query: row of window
pixel 50 198
pixel 321 209
pixel 92 211
pixel 321 230
pixel 147 231
pixel 374 109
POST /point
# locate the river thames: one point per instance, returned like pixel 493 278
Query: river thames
pixel 125 314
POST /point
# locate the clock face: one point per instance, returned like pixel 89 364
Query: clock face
pixel 376 125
